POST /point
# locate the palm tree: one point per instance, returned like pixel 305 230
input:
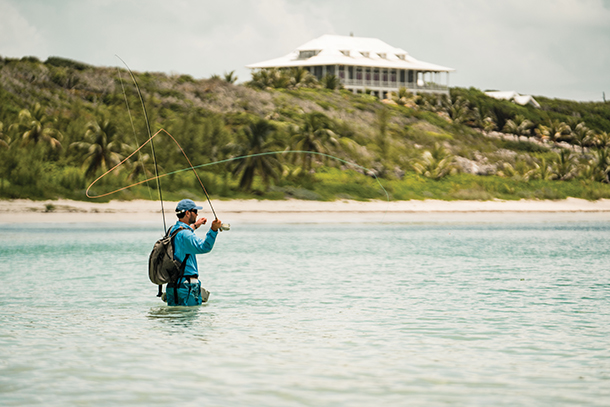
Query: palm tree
pixel 302 78
pixel 270 79
pixel 262 79
pixel 544 170
pixel 520 171
pixel 553 131
pixel 602 140
pixel 603 163
pixel 564 166
pixel 457 110
pixel 520 126
pixel 482 120
pixel 331 82
pixel 582 135
pixel 434 164
pixel 145 167
pixel 257 137
pixel 35 126
pixel 314 135
pixel 103 149
pixel 230 77
pixel 598 168
pixel 489 125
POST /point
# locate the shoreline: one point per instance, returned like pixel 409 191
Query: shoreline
pixel 297 211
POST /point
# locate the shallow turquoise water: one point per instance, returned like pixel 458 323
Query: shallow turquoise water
pixel 311 315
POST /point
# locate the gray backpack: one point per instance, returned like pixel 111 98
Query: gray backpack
pixel 162 267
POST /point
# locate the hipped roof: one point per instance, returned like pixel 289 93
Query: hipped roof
pixel 329 52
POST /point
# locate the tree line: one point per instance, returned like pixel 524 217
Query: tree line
pixel 64 123
pixel 474 109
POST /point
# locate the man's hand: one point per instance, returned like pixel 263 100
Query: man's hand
pixel 216 223
pixel 199 222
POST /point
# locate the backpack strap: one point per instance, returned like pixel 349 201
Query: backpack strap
pixel 180 276
pixel 182 266
pixel 174 233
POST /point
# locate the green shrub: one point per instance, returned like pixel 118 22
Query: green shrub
pixel 67 63
pixel 72 178
pixel 64 77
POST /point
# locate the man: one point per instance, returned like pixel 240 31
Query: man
pixel 187 243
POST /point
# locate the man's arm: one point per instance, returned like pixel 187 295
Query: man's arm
pixel 197 245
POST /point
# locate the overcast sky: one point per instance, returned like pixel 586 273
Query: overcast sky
pixel 554 48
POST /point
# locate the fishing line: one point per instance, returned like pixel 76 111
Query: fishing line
pixel 152 144
pixel 284 152
pixel 133 128
pixel 193 168
pixel 152 178
pixel 150 138
pixel 158 176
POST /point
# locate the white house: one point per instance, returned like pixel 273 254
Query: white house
pixel 364 63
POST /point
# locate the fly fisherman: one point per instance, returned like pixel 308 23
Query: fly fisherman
pixel 187 243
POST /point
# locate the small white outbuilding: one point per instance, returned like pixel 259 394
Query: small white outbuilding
pixel 514 97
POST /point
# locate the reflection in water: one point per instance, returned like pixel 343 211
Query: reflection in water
pixel 175 314
pixel 194 321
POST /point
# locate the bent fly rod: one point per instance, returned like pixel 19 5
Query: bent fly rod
pixel 152 145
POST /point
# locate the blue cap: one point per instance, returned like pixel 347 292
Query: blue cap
pixel 186 205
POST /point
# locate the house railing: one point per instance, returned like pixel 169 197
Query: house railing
pixel 390 85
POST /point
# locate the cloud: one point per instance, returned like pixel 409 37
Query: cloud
pixel 198 38
pixel 558 48
pixel 18 38
pixel 549 47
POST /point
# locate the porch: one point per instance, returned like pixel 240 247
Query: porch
pixel 384 80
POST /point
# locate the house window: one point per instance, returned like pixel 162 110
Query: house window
pixel 330 70
pixel 401 56
pixel 402 75
pixel 308 54
pixel 359 73
pixel 367 74
pixel 346 53
pixel 365 54
pixel 393 76
pixel 411 76
pixel 382 55
pixel 385 75
pixel 341 72
pixel 350 71
pixel 317 71
pixel 376 74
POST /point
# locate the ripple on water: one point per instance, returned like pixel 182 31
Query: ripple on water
pixel 311 315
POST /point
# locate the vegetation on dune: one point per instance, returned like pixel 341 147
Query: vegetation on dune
pixel 64 123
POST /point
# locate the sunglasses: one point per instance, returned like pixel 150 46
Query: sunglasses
pixel 194 211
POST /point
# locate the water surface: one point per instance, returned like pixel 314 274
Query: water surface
pixel 486 314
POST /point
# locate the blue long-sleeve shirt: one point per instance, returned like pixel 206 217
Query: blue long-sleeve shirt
pixel 187 242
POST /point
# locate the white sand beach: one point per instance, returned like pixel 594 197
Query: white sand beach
pixel 296 211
